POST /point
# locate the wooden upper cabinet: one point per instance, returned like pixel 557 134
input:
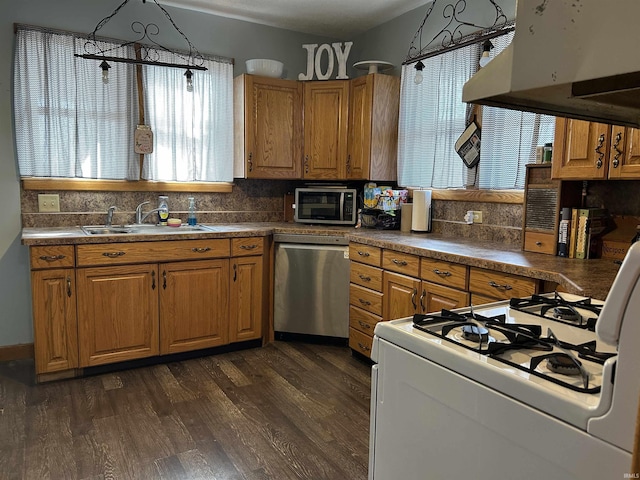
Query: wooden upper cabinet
pixel 326 110
pixel 268 127
pixel 595 151
pixel 581 149
pixel 373 127
pixel 625 153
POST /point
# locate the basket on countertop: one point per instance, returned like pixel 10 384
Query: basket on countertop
pixel 383 220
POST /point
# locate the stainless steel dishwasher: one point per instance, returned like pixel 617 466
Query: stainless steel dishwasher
pixel 311 291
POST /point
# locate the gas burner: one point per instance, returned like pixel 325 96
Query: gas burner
pixel 475 333
pixel 566 313
pixel 563 364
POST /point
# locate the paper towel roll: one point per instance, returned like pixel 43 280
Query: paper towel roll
pixel 421 215
pixel 406 211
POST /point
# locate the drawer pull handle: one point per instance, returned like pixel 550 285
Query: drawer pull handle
pixel 51 258
pixel 363 254
pixel 364 325
pixel 538 243
pixel 500 287
pixel 363 347
pixel 364 302
pixel 441 273
pixel 200 249
pixel 248 247
pixel 113 254
pixel 68 286
pixel 364 278
pixel 402 263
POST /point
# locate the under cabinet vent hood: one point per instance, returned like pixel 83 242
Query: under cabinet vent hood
pixel 573 58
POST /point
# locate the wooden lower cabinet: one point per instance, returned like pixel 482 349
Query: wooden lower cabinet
pixel 55 330
pixel 194 305
pixel 246 299
pixel 117 313
pixel 401 296
pixel 436 297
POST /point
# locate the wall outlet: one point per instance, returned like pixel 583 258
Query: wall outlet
pixel 477 216
pixel 48 202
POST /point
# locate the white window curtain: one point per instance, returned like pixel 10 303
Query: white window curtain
pixel 68 123
pixel 193 131
pixel 432 117
pixel 509 139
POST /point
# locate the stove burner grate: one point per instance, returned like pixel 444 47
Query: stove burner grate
pixel 559 309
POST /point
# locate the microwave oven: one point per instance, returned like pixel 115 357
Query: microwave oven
pixel 334 206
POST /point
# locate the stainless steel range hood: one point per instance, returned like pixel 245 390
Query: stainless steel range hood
pixel 573 58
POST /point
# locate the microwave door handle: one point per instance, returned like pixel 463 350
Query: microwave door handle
pixel 342 206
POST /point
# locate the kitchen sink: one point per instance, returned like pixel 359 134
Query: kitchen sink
pixel 144 229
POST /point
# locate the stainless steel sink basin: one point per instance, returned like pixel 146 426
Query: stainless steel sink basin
pixel 102 230
pixel 144 229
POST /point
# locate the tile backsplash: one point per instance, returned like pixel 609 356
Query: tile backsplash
pixel 254 201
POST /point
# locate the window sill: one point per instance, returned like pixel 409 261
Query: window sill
pixel 488 196
pixel 32 183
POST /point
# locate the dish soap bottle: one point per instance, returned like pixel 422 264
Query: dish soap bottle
pixel 192 212
pixel 163 209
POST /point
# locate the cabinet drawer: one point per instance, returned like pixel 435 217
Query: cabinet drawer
pixel 145 252
pixel 366 299
pixel 365 254
pixel 360 342
pixel 401 262
pixel 367 276
pixel 54 256
pixel 445 273
pixel 500 285
pixel 247 246
pixel 362 320
pixel 540 242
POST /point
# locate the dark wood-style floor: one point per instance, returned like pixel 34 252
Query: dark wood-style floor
pixel 286 411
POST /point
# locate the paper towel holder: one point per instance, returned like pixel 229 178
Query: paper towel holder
pixel 421 215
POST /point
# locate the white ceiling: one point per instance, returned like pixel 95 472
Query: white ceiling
pixel 341 19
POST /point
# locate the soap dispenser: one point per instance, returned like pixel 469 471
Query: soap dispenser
pixel 192 212
pixel 163 209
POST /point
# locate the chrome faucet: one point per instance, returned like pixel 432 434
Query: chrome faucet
pixel 109 219
pixel 140 217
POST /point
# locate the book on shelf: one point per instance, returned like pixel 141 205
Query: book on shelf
pixel 592 224
pixel 564 233
pixel 573 234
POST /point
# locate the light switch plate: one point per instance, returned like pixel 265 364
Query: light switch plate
pixel 48 202
pixel 477 216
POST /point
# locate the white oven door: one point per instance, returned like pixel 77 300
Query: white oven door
pixel 431 423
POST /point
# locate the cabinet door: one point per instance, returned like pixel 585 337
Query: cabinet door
pixel 625 153
pixel 359 138
pixel 373 127
pixel 55 333
pixel 581 149
pixel 325 129
pixel 400 296
pixel 434 298
pixel 245 306
pixel 194 305
pixel 117 313
pixel 273 128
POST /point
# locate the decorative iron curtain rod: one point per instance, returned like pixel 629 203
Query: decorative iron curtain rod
pixel 464 41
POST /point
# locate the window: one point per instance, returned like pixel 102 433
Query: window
pixel 71 125
pixel 433 116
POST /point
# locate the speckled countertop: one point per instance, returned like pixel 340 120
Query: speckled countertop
pixel 584 277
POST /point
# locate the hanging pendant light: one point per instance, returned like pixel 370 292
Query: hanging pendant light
pixel 419 67
pixel 189 75
pixel 105 71
pixel 486 49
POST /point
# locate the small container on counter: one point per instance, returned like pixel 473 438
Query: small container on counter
pixel 163 209
pixel 191 219
pixel 548 153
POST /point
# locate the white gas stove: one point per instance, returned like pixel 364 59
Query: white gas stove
pixel 541 387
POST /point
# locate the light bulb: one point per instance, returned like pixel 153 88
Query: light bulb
pixel 105 71
pixel 189 76
pixel 419 67
pixel 484 59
